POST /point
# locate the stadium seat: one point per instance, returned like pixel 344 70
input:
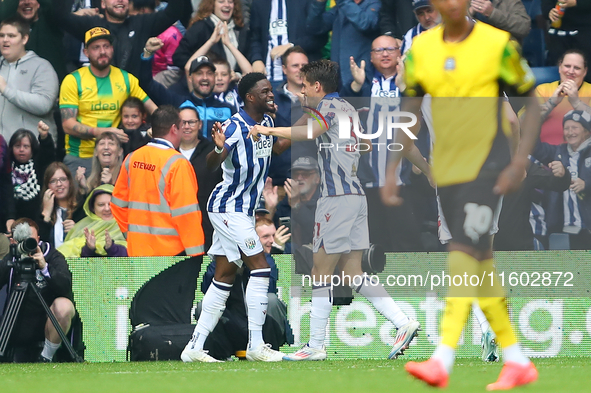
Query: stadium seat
pixel 545 74
pixel 559 241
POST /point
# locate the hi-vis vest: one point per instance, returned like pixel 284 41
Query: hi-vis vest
pixel 155 204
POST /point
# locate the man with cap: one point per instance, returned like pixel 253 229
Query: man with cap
pixel 202 75
pixel 428 18
pixel 570 212
pixel 91 97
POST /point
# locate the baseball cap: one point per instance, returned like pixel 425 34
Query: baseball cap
pixel 200 62
pixel 305 163
pixel 581 117
pixel 416 4
pixel 96 33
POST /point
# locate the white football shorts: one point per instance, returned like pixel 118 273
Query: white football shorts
pixel 234 232
pixel 340 224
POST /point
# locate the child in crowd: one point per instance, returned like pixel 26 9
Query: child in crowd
pixel 225 88
pixel 29 158
pixel 133 122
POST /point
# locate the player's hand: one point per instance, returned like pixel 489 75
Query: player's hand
pixel 281 236
pixel 557 168
pixel 68 225
pixel 270 195
pixel 553 15
pixel 153 44
pixel 90 239
pixel 48 202
pixel 577 185
pixel 43 129
pixel 39 258
pixel 358 72
pixel 217 135
pixel 510 178
pixel 258 129
pixel 108 240
pixel 106 176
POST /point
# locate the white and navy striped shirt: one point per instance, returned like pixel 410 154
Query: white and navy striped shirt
pixel 338 164
pixel 245 169
pixel 277 37
pixel 385 96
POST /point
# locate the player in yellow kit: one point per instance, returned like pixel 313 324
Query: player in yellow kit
pixel 465 66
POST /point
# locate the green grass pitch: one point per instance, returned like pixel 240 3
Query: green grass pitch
pixel 359 376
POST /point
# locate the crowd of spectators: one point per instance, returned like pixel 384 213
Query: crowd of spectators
pixel 79 80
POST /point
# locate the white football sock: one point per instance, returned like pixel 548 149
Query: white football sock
pixel 484 325
pixel 446 355
pixel 319 314
pixel 212 308
pixel 380 299
pixel 49 349
pixel 257 301
pixel 513 353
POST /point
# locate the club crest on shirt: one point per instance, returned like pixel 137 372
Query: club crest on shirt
pixel 250 243
pixel 588 162
pixel 450 64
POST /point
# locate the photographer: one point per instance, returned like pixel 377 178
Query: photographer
pixel 54 281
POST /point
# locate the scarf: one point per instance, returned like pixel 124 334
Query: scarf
pixel 24 181
pixel 233 39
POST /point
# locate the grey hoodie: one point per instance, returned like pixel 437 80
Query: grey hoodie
pixel 31 92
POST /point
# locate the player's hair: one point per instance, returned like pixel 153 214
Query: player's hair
pixel 134 103
pixel 325 72
pixel 206 9
pixel 18 136
pixel 25 220
pixel 262 221
pixel 94 179
pixel 247 83
pixel 162 119
pixel 293 49
pixel 22 26
pixel 71 199
pixel 573 52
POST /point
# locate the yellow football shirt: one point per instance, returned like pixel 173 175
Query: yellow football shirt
pixel 98 101
pixel 465 80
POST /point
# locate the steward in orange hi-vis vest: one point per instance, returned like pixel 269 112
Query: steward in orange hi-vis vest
pixel 155 203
